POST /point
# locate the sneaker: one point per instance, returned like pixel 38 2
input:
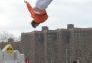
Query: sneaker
pixel 34 24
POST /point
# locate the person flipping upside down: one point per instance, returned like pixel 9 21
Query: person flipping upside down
pixel 38 13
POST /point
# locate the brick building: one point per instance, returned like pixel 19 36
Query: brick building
pixel 71 45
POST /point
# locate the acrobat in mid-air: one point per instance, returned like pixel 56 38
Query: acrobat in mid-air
pixel 38 13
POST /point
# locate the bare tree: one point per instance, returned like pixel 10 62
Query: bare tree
pixel 4 36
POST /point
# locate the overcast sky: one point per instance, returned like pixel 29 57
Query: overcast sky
pixel 15 18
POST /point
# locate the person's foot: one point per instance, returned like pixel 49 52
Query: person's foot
pixel 34 24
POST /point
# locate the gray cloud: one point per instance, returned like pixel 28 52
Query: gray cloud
pixel 15 17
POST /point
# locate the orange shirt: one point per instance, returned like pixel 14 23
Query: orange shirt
pixel 39 18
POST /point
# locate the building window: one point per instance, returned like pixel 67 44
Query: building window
pixel 74 61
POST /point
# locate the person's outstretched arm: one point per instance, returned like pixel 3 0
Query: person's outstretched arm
pixel 29 7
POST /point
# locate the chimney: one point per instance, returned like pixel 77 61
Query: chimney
pixel 44 28
pixel 70 26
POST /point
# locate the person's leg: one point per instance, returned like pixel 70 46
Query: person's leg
pixel 34 24
pixel 43 4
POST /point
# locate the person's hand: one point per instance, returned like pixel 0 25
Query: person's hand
pixel 25 1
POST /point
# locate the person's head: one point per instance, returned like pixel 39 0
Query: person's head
pixel 34 24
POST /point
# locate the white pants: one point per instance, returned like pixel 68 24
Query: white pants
pixel 42 4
